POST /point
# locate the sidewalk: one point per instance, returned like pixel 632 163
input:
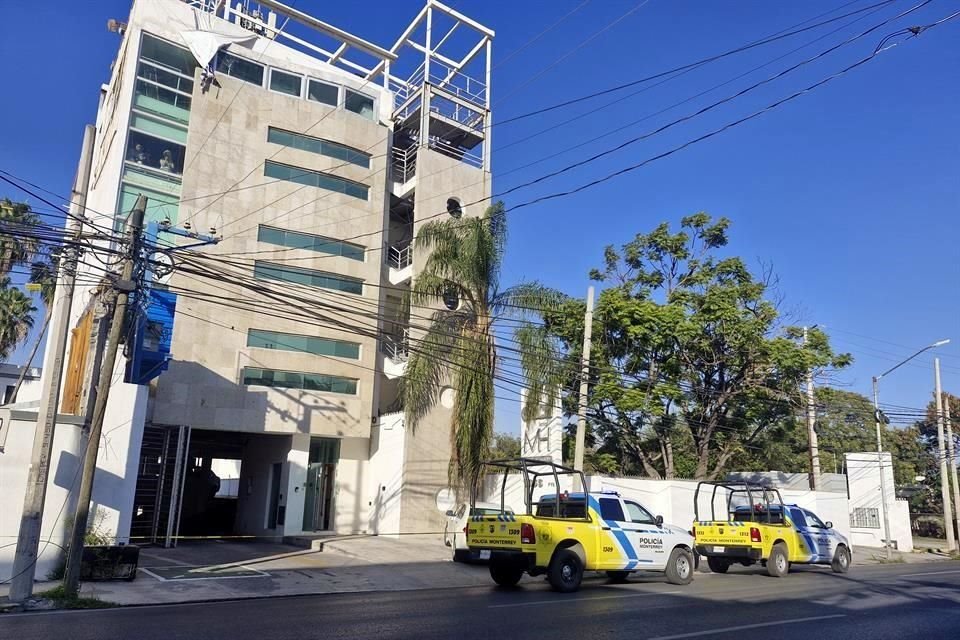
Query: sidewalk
pixel 875 555
pixel 206 571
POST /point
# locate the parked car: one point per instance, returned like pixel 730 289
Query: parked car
pixel 756 526
pixel 570 533
pixel 454 533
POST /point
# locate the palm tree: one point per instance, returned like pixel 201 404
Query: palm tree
pixel 43 273
pixel 15 248
pixel 463 270
pixel 16 317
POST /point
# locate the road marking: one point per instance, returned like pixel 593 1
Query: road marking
pixel 928 573
pixel 710 632
pixel 567 601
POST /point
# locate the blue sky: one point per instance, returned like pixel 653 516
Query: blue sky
pixel 850 192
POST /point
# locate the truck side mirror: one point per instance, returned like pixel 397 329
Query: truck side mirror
pixel 828 524
pixel 659 521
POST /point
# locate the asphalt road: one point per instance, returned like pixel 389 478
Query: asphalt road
pixel 886 601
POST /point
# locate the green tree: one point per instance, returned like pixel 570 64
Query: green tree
pixel 504 447
pixel 16 317
pixel 16 247
pixel 44 274
pixel 691 364
pixel 462 270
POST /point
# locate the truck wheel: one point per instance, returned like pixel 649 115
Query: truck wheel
pixel 680 567
pixel 778 564
pixel 718 565
pixel 505 573
pixel 841 560
pixel 618 576
pixel 566 571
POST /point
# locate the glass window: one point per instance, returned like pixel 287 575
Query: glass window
pixel 315 179
pixel 359 103
pixel 323 92
pixel 319 146
pixel 263 339
pixel 296 380
pixel 610 509
pixel 798 518
pixel 239 68
pixel 168 55
pixel 324 450
pixel 158 127
pixel 283 82
pixel 162 101
pixel 310 242
pixel 639 514
pixel 160 75
pixel 270 271
pixel 160 206
pixel 155 153
pixel 813 520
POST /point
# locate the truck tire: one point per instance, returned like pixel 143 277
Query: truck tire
pixel 680 567
pixel 778 564
pixel 505 571
pixel 718 565
pixel 841 560
pixel 618 576
pixel 566 571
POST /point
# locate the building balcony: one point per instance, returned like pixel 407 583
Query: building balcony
pixel 396 352
pixel 400 263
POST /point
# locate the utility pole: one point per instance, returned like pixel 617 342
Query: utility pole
pixel 953 462
pixel 941 449
pixel 584 384
pixel 28 540
pixel 812 426
pixel 883 475
pixel 124 287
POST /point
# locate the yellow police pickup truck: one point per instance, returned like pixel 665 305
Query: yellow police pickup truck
pixel 564 534
pixel 758 527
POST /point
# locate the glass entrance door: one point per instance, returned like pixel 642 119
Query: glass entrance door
pixel 318 507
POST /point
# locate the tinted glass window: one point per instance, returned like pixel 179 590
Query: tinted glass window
pixel 358 103
pixel 610 509
pixel 309 242
pixel 323 92
pixel 297 380
pixel 270 271
pixel 239 68
pixel 155 153
pixel 798 518
pixel 168 55
pixel 285 82
pixel 812 519
pixel 306 344
pixel 318 146
pixel 314 179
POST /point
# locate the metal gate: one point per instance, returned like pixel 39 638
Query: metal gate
pixel 160 477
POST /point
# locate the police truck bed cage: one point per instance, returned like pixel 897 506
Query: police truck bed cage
pixel 563 504
pixel 769 510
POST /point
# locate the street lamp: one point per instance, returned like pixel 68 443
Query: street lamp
pixel 876 417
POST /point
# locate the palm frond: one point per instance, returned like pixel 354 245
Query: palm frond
pixel 427 366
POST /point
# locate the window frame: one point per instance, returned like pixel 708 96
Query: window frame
pixel 327 240
pixel 373 109
pixel 303 171
pixel 302 376
pixel 336 341
pixel 339 87
pixel 265 68
pixel 306 271
pixel 298 76
pixel 321 144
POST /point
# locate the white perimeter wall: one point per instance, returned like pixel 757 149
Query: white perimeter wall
pixel 863 481
pixel 114 482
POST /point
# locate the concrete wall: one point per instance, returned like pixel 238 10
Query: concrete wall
pixel 427 452
pixel 256 469
pixel 385 477
pixel 113 488
pixel 863 473
pixel 351 499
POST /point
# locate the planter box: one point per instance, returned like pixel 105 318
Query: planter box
pixel 110 562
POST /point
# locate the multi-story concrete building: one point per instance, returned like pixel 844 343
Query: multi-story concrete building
pixel 313 155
